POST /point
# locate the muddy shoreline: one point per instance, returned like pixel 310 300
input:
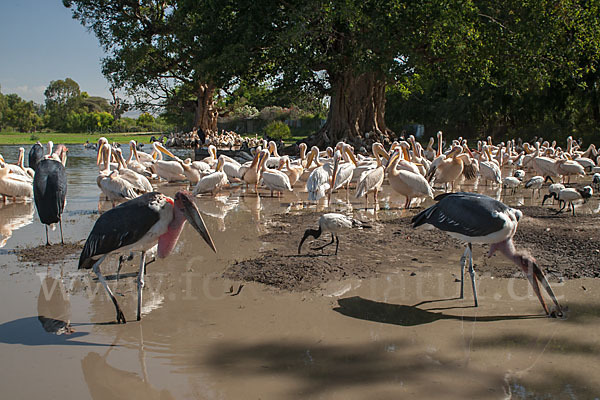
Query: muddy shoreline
pixel 566 247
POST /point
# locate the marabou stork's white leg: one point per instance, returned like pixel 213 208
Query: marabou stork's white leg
pixel 472 273
pixel 141 285
pixel 96 269
pixel 61 234
pixel 463 265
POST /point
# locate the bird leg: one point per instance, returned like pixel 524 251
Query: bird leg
pixel 47 241
pixel 463 265
pixel 472 273
pixel 61 234
pixel 141 285
pixel 96 269
pixel 337 243
pixel 325 245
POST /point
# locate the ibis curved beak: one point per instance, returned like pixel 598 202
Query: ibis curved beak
pixel 307 233
pixel 193 216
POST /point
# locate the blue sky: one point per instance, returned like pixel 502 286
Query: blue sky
pixel 39 43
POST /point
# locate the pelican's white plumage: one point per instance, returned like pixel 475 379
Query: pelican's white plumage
pixel 212 183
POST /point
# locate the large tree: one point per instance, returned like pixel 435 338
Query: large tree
pixel 151 54
pixel 62 97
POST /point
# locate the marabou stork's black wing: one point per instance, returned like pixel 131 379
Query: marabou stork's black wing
pixel 119 227
pixel 50 190
pixel 468 214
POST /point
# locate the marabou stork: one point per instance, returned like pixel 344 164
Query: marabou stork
pixel 137 225
pixel 50 189
pixel 476 218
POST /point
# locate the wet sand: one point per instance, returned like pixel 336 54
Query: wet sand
pixel 381 320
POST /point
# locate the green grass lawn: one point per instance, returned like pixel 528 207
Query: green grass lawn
pixel 71 138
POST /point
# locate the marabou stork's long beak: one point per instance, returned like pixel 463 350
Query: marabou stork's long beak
pixel 183 199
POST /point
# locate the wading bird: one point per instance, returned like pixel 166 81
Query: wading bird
pixel 569 195
pixel 475 218
pixel 137 225
pixel 50 190
pixel 333 223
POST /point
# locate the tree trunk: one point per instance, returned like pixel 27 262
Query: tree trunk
pixel 205 115
pixel 356 113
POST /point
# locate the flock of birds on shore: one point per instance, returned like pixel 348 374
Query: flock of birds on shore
pixel 151 221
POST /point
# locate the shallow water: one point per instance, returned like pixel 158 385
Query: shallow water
pixel 390 336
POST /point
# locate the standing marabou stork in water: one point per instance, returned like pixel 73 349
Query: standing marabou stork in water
pixel 331 222
pixel 475 218
pixel 50 189
pixel 137 225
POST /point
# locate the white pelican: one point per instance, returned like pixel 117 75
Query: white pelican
pixel 274 158
pixel 212 183
pixel 566 168
pixel 273 179
pixel 450 168
pixel 14 185
pixel 293 171
pixel 429 151
pixel 142 157
pixel 489 168
pixel 333 223
pixel 140 183
pixel 134 163
pixel 342 172
pixel 212 156
pixel 371 180
pixel 21 163
pixel 544 166
pixel 250 176
pixel 405 181
pixel 17 168
pixel 318 182
pixel 114 187
pixel 171 171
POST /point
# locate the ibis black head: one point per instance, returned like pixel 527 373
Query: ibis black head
pixel 549 195
pixel 315 233
pixel 586 193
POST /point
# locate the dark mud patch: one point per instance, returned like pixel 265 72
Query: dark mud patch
pixel 53 254
pixel 564 246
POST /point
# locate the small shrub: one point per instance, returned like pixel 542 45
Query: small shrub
pixel 34 138
pixel 277 130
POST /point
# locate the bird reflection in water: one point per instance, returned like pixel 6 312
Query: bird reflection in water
pixel 218 208
pixel 14 216
pixel 107 382
pixel 54 307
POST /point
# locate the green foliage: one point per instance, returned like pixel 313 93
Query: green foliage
pixel 277 130
pixel 145 120
pixel 63 97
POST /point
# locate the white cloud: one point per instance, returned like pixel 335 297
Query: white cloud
pixel 26 92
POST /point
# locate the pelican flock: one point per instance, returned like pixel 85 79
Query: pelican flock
pixel 143 219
